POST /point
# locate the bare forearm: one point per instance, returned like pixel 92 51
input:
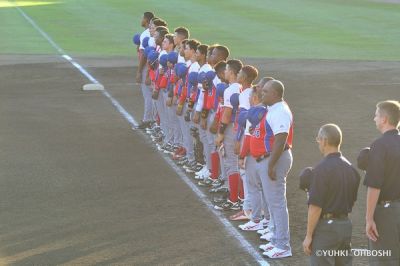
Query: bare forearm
pixel 142 62
pixel 314 213
pixel 278 148
pixel 226 117
pixel 372 200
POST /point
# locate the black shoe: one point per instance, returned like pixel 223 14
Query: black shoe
pixel 220 189
pixel 227 205
pixel 205 183
pixel 144 125
pixel 217 183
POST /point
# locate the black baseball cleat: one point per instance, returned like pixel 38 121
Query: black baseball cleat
pixel 144 125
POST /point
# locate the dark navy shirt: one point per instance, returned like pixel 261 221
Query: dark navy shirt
pixel 334 185
pixel 383 171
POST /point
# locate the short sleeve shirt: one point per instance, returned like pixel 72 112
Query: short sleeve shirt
pixel 232 89
pixel 383 171
pixel 145 33
pixel 334 185
pixel 279 118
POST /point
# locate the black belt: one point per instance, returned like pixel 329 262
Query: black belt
pixel 262 157
pixel 327 216
pixel 384 202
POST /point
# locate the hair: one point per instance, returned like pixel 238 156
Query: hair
pixel 391 109
pixel 251 73
pixel 331 133
pixel 223 50
pixel 159 22
pixel 220 66
pixel 184 41
pixel 162 31
pixel 257 90
pixel 182 31
pixel 170 38
pixel 203 49
pixel 278 87
pixel 235 65
pixel 148 16
pixel 193 44
pixel 211 48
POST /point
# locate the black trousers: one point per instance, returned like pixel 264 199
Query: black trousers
pixel 387 220
pixel 331 243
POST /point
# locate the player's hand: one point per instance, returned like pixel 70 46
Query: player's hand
pixel 203 124
pixel 237 147
pixel 139 77
pixel 196 117
pixel 179 110
pixel 241 164
pixel 272 172
pixel 219 140
pixel 169 101
pixel 371 231
pixel 307 245
pixel 148 81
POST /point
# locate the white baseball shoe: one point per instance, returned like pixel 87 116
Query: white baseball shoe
pixel 251 226
pixel 277 253
pixel 263 231
pixel 266 247
pixel 267 236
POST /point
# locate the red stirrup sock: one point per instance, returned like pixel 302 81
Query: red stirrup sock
pixel 214 165
pixel 241 189
pixel 233 187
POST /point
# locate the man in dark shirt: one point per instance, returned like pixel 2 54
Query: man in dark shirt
pixel 332 193
pixel 383 181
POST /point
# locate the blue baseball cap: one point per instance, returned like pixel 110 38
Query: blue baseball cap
pixel 145 42
pixel 153 56
pixel 173 57
pixel 255 114
pixel 180 70
pixel 163 60
pixel 201 77
pixel 192 78
pixel 235 100
pixel 147 50
pixel 221 88
pixel 136 39
pixel 210 75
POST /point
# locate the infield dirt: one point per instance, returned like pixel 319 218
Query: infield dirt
pixel 79 186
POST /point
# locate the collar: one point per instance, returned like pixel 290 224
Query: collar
pixel 334 155
pixel 392 132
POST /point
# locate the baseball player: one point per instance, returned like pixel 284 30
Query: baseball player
pixel 217 54
pixel 279 123
pixel 142 72
pixel 246 77
pixel 180 153
pixel 182 108
pixel 226 136
pixel 383 182
pixel 332 193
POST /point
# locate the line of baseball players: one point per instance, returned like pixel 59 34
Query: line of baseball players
pixel 236 137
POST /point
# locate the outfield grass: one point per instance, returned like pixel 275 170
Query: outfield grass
pixel 348 29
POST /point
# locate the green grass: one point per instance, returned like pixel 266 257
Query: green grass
pixel 317 29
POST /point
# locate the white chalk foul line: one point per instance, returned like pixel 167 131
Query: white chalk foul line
pixel 228 226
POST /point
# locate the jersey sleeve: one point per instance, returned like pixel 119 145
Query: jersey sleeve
pixel 227 98
pixel 376 166
pixel 318 188
pixel 280 122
